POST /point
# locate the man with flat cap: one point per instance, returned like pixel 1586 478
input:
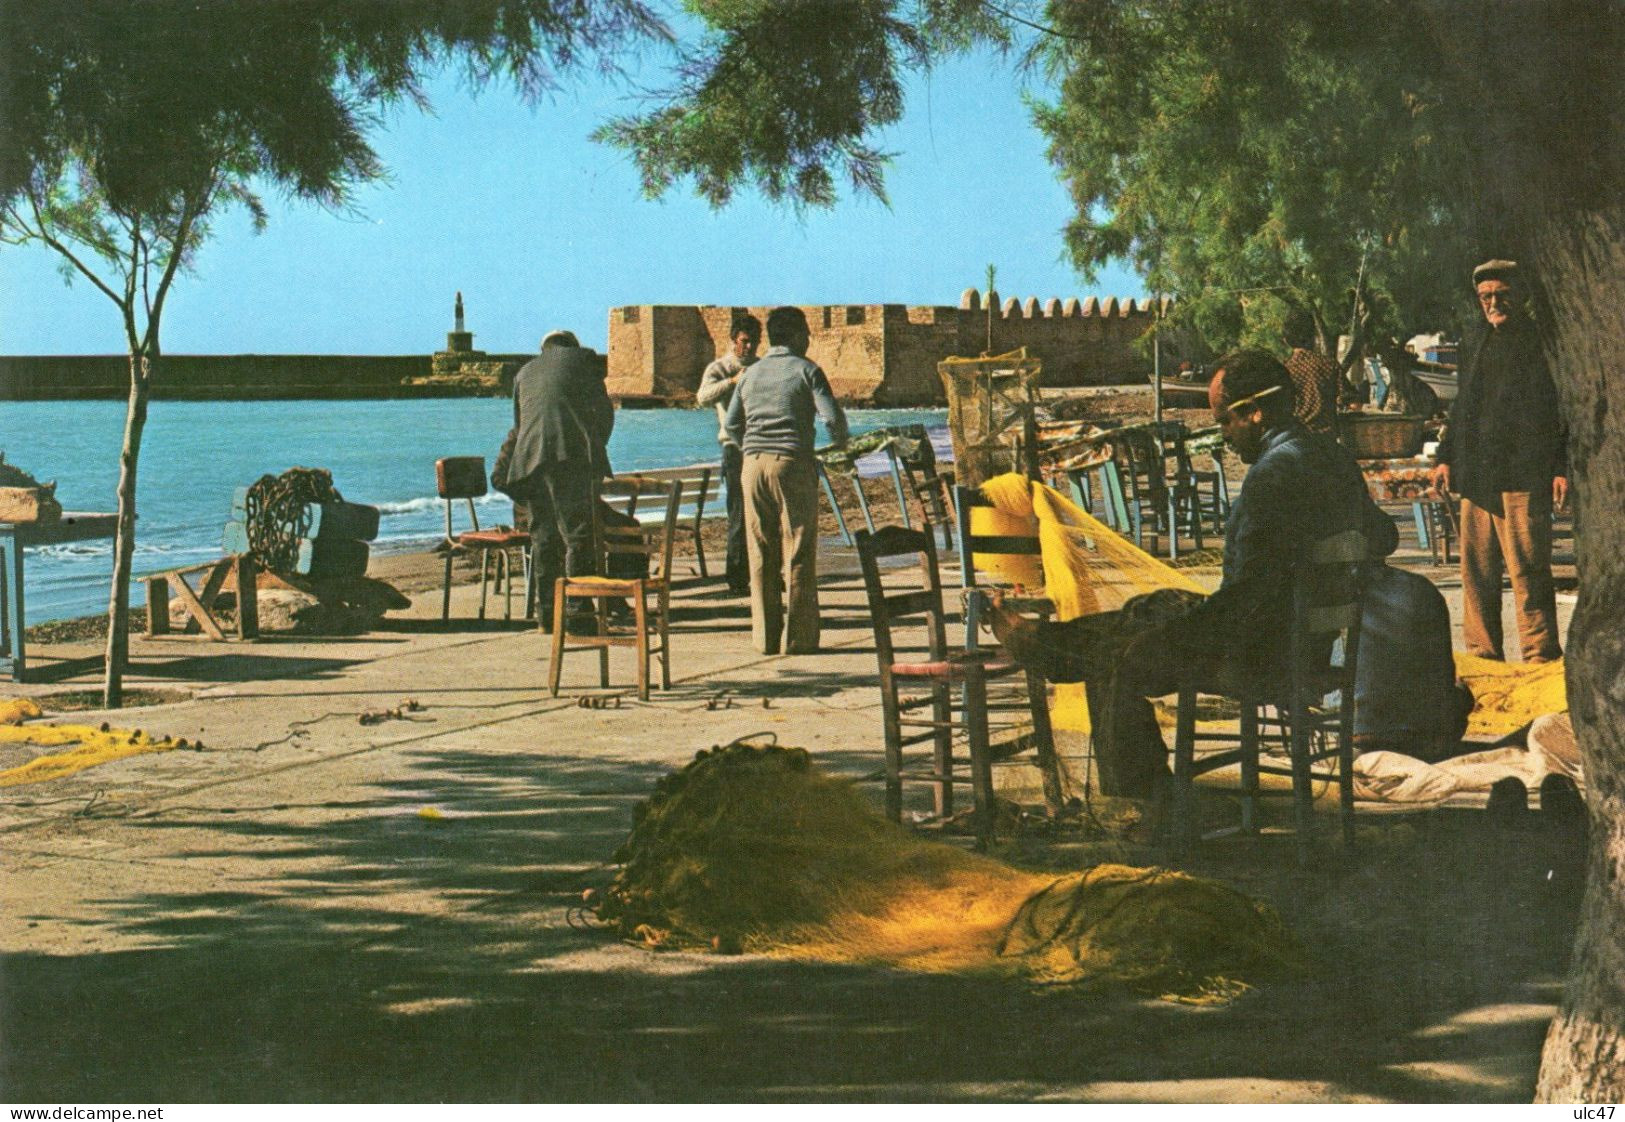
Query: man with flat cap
pixel 1505 454
pixel 563 417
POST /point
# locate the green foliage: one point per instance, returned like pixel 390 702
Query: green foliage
pixel 1262 159
pixel 785 95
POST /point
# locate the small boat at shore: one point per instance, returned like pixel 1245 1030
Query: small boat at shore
pixel 1179 394
pixel 1439 376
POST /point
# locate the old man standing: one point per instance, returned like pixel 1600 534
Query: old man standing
pixel 1505 453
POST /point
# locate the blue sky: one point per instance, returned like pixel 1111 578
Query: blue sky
pixel 539 227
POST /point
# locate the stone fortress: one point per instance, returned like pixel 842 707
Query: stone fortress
pixel 880 354
pixel 887 354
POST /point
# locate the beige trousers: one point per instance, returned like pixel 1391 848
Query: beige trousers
pixel 1519 541
pixel 781 536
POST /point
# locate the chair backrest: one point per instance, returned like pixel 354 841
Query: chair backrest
pixel 1328 590
pixel 650 538
pixel 925 599
pixel 967 499
pixel 460 477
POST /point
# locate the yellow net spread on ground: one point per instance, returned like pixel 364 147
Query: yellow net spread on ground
pixel 752 849
pixel 86 745
pixel 1508 695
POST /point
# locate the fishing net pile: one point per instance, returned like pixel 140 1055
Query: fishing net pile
pixel 1509 695
pixel 752 849
pixel 82 746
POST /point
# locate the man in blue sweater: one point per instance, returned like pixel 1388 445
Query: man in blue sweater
pixel 771 419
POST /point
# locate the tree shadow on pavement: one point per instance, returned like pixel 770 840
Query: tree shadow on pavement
pixel 421 945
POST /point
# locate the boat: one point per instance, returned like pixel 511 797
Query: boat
pixel 1439 376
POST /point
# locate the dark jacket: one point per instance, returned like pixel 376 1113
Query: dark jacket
pixel 1304 487
pixel 563 414
pixel 1506 432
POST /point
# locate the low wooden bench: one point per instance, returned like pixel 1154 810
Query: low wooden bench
pixel 701 486
pixel 198 604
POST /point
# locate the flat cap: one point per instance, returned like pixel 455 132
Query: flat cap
pixel 1493 269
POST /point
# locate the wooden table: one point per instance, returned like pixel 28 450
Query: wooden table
pixel 15 539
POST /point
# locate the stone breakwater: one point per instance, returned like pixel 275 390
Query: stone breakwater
pixel 255 377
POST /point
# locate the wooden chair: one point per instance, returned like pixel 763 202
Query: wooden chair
pixel 649 632
pixel 702 486
pixel 1157 502
pixel 463 477
pixel 967 499
pixel 1327 598
pixel 952 680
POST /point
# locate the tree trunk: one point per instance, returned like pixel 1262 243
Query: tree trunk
pixel 1584 270
pixel 118 605
pixel 1546 82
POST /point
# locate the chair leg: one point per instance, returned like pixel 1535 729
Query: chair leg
pixel 555 665
pixel 1303 796
pixel 1345 768
pixel 1249 766
pixel 1183 830
pixel 505 574
pixel 892 723
pixel 663 624
pixel 485 568
pixel 601 611
pixel 445 596
pixel 981 766
pixel 942 749
pixel 640 621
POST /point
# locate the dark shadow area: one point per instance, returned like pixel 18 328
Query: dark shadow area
pixel 408 625
pixel 419 959
pixel 239 666
pixel 47 668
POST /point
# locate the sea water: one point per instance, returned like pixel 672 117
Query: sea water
pixel 195 454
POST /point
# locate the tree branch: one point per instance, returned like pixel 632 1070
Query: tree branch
pixel 45 236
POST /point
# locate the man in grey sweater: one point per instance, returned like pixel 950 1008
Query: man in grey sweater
pixel 771 419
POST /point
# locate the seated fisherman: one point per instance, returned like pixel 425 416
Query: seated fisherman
pixel 1300 488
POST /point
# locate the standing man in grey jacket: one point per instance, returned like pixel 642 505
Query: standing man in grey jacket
pixel 717 388
pixel 563 417
pixel 771 419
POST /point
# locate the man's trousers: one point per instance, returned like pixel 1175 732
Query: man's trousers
pixel 1516 541
pixel 737 568
pixel 781 529
pixel 561 528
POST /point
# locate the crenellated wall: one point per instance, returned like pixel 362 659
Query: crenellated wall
pixel 888 353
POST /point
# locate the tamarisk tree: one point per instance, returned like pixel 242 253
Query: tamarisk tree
pixel 1262 159
pixel 129 128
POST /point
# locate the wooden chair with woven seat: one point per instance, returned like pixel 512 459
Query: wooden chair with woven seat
pixel 973 544
pixel 1327 597
pixel 952 681
pixel 463 477
pixel 649 631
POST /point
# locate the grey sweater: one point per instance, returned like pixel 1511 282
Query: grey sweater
pixel 773 406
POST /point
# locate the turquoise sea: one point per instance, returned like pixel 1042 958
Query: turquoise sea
pixel 196 454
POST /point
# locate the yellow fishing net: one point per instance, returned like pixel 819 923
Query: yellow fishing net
pixel 86 745
pixel 752 849
pixel 1508 695
pixel 1084 565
